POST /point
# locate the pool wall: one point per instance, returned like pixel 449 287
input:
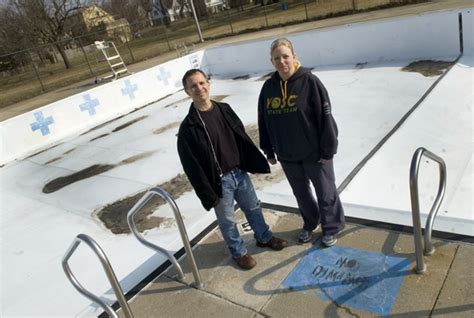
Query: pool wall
pixel 434 35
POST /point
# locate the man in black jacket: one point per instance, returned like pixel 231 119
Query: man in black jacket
pixel 216 154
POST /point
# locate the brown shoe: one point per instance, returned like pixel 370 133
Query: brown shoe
pixel 275 244
pixel 245 262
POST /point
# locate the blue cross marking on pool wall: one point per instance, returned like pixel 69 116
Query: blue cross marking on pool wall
pixel 42 123
pixel 129 89
pixel 349 277
pixel 164 76
pixel 194 60
pixel 89 104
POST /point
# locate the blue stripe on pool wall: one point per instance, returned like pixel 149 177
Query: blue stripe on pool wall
pixel 365 280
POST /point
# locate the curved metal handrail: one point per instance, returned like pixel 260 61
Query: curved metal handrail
pixel 108 270
pixel 182 230
pixel 415 205
pixel 131 223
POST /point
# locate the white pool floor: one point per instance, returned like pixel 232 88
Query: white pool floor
pixel 37 228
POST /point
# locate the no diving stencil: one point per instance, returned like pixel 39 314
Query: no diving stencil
pixel 364 280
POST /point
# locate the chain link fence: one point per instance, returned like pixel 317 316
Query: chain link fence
pixel 37 70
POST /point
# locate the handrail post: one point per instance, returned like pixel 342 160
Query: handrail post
pixel 108 270
pixel 415 205
pixel 182 231
pixel 429 248
pixel 131 223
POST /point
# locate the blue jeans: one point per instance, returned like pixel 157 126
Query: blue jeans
pixel 236 185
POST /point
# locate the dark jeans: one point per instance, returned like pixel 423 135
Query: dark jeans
pixel 328 209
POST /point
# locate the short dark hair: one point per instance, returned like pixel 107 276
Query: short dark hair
pixel 191 72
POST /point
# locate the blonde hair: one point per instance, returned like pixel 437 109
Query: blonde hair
pixel 284 42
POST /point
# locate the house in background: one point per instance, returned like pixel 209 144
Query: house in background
pixel 215 6
pixel 166 11
pixel 94 19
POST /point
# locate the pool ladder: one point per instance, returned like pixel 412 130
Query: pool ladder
pixel 415 206
pixel 182 231
pixel 83 238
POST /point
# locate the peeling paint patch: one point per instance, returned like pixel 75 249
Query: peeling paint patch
pixel 98 137
pixel 177 102
pixel 428 67
pixel 52 160
pixel 133 111
pixel 69 151
pixel 61 182
pixel 136 157
pixel 265 77
pixel 41 151
pixel 252 131
pixel 131 122
pixel 219 98
pixel 166 127
pixel 151 103
pixel 361 65
pixel 114 216
pixel 102 125
pixel 242 77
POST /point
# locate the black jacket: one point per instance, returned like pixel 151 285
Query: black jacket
pixel 295 120
pixel 198 161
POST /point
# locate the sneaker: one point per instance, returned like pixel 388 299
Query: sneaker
pixel 305 236
pixel 329 240
pixel 245 262
pixel 275 243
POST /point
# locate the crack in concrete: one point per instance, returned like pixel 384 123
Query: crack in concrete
pixel 444 281
pixel 346 309
pixel 214 295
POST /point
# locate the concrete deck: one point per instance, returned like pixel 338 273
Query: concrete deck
pixel 445 289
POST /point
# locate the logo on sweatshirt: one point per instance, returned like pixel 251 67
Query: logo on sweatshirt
pixel 327 108
pixel 281 105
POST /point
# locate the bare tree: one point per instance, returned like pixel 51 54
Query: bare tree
pixel 45 20
pixel 12 38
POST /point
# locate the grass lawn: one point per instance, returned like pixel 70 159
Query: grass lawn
pixel 154 41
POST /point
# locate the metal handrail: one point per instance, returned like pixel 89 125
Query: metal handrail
pixel 108 270
pixel 182 230
pixel 415 206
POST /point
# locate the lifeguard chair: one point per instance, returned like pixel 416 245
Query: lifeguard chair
pixel 113 58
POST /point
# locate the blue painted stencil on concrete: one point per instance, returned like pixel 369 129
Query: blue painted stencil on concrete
pixel 364 280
